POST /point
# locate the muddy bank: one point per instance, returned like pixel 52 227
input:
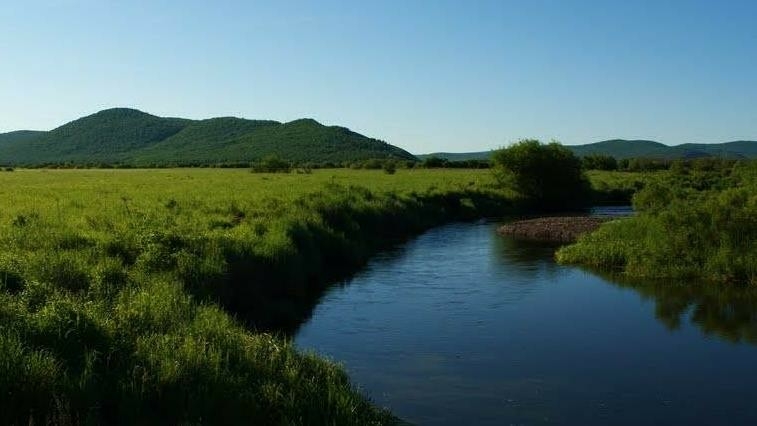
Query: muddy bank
pixel 564 229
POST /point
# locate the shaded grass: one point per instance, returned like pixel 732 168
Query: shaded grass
pixel 616 187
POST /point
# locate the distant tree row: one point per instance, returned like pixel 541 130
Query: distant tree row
pixel 443 163
pixel 606 162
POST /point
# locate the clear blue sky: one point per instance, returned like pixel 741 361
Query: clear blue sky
pixel 424 75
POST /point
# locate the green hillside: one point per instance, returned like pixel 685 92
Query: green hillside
pixel 458 156
pixel 736 149
pixel 621 148
pixel 107 136
pixel 233 139
pixel 129 136
pixel 19 136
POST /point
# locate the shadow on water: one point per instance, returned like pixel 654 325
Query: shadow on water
pixel 725 311
pixel 524 255
pixel 728 312
pixel 284 313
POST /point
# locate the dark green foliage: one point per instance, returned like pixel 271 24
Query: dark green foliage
pixel 389 165
pixel 548 176
pixel 599 162
pixel 432 162
pixel 644 164
pixel 127 137
pixel 271 164
pixel 372 164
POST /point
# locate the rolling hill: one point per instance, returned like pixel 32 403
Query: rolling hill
pixel 19 136
pixel 621 148
pixel 129 136
pixel 457 156
pixel 233 139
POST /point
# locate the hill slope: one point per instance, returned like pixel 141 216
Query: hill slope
pixel 458 156
pixel 107 136
pixel 234 139
pixel 129 136
pixel 621 148
pixel 19 136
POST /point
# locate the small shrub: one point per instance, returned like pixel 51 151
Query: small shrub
pixel 271 164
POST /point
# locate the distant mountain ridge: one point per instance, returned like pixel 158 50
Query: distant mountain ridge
pixel 130 136
pixel 622 148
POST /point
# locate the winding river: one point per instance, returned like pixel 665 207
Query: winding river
pixel 463 326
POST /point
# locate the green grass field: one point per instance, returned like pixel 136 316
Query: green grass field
pixel 119 289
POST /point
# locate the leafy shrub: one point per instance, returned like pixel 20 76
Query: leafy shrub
pixel 271 164
pixel 547 176
pixel 599 162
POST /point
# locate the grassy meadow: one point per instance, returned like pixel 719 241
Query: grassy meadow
pixel 134 296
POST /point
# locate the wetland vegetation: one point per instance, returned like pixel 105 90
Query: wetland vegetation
pixel 692 222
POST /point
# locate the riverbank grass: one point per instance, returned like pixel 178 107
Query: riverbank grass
pixel 699 226
pixel 132 296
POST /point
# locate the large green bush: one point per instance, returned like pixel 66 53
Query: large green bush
pixel 548 176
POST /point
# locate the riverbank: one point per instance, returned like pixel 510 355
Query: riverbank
pixel 690 224
pixel 126 290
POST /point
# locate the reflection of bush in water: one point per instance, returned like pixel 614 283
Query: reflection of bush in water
pixel 729 312
pixel 530 257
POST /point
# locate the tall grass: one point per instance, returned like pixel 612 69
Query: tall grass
pixel 116 288
pixel 689 225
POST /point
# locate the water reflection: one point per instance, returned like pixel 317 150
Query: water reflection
pixel 283 313
pixel 463 326
pixel 528 257
pixel 725 311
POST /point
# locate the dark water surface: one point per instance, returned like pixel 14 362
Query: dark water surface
pixel 463 326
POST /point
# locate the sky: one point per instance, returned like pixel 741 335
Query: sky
pixel 427 75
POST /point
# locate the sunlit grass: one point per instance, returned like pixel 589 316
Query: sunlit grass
pixel 116 287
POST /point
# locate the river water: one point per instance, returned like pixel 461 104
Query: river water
pixel 463 326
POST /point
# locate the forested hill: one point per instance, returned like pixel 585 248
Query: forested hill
pixel 622 148
pixel 20 136
pixel 129 136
